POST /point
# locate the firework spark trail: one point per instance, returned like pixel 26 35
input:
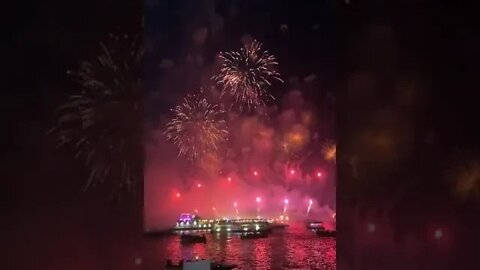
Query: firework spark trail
pixel 103 120
pixel 197 127
pixel 246 75
pixel 236 208
pixel 309 206
pixel 258 200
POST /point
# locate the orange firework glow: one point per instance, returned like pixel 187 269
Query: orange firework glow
pixel 329 151
pixel 295 139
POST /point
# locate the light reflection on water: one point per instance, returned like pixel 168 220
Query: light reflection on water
pixel 292 248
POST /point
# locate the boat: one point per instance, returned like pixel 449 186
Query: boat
pixel 314 225
pixel 242 225
pixel 326 233
pixel 192 239
pixel 198 264
pixel 188 222
pixel 254 235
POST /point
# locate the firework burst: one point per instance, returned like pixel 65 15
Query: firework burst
pixel 197 128
pixel 329 151
pixel 246 74
pixel 103 120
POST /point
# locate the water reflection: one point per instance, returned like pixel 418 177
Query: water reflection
pixel 292 248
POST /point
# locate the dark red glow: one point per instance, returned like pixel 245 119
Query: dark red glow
pixel 371 227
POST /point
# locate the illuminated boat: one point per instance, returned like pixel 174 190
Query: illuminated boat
pixel 315 225
pixel 188 222
pixel 242 225
pixel 192 222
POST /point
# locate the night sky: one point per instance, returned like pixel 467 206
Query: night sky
pixel 431 43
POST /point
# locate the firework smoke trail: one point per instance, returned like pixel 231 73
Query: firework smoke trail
pixel 103 120
pixel 309 206
pixel 285 206
pixel 197 127
pixel 258 200
pixel 246 75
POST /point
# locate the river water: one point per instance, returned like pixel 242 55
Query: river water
pixel 294 247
